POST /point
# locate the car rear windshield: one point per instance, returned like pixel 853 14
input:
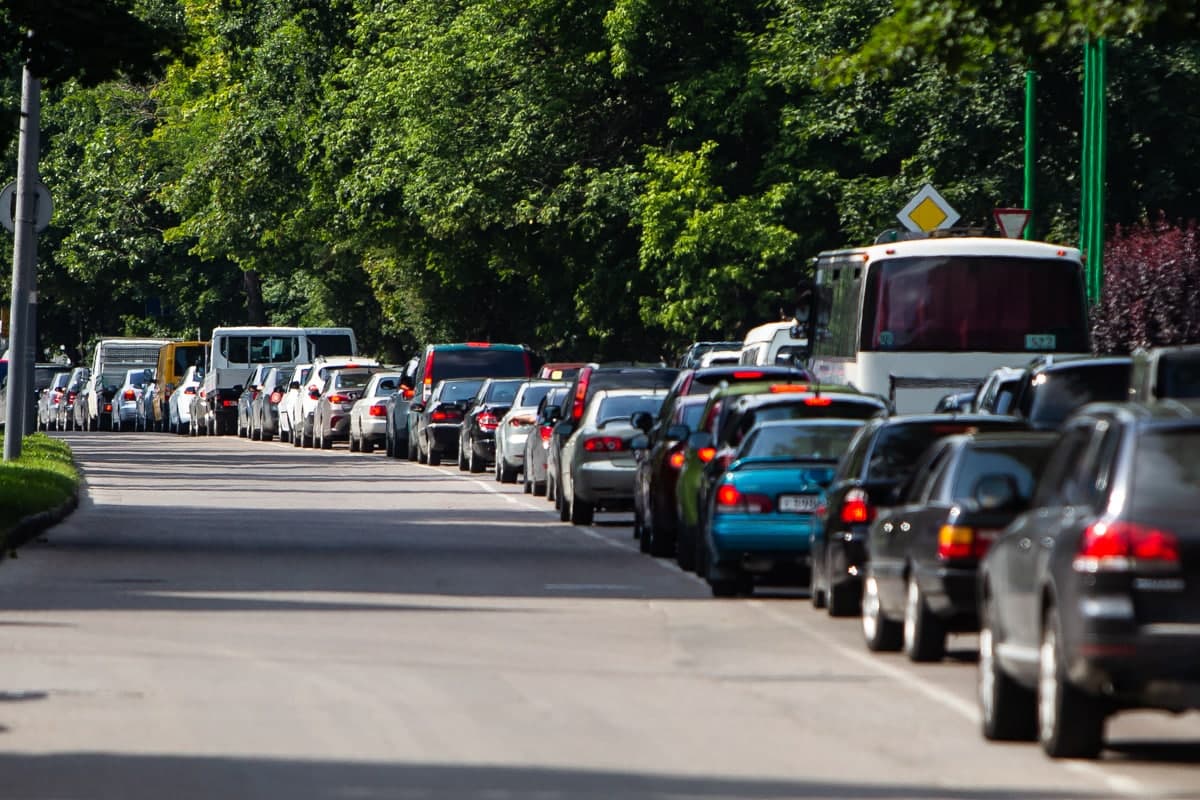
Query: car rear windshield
pixel 650 378
pixel 330 344
pixel 1022 462
pixel 532 395
pixel 479 361
pixel 1166 472
pixel 823 442
pixel 622 407
pixel 1179 375
pixel 690 414
pixel 1054 394
pixel 187 356
pixel 459 390
pixel 502 391
pixel 898 447
pixel 351 380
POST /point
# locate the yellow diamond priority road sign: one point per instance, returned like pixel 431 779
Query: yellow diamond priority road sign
pixel 927 211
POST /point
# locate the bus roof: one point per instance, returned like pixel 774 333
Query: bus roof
pixel 948 245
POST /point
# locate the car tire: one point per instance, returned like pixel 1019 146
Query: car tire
pixel 538 488
pixel 475 465
pixel 582 512
pixel 461 458
pixel 354 445
pixel 1070 721
pixel 924 631
pixel 413 449
pixel 421 457
pixel 841 600
pixel 816 592
pixel 526 484
pixel 564 508
pixel 728 586
pixel 1007 710
pixel 365 445
pixel 881 634
pixel 326 442
pixel 435 458
pixel 505 473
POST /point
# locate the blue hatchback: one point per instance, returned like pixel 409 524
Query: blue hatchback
pixel 763 507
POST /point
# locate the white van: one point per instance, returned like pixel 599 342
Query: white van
pixel 773 344
pixel 235 352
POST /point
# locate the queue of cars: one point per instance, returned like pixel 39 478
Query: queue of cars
pixel 1052 510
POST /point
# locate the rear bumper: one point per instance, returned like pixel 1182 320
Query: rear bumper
pixel 605 482
pixel 952 594
pixel 444 438
pixel 1152 667
pixel 737 534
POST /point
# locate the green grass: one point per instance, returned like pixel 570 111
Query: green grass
pixel 41 479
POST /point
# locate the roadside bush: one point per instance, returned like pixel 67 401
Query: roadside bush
pixel 41 479
pixel 1151 292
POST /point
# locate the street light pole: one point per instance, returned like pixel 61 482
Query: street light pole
pixel 1030 148
pixel 21 347
pixel 1091 209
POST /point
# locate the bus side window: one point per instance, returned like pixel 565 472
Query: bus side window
pixel 838 286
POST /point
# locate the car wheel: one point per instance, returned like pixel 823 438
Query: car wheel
pixel 924 631
pixel 731 585
pixel 881 634
pixel 564 508
pixel 413 449
pixel 256 434
pixel 505 473
pixel 474 464
pixel 461 459
pixel 816 593
pixel 841 600
pixel 1070 721
pixel 365 445
pixel 354 445
pixel 538 488
pixel 421 457
pixel 435 458
pixel 326 442
pixel 1007 709
pixel 582 512
pixel 526 484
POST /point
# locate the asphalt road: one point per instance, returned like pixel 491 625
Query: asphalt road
pixel 231 619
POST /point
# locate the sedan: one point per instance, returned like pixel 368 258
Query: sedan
pixel 48 400
pixel 537 446
pixel 368 415
pixel 128 395
pixel 763 512
pixel 477 436
pixel 598 467
pixel 922 554
pixel 331 419
pixel 439 421
pixel 179 406
pixel 1090 600
pixel 515 427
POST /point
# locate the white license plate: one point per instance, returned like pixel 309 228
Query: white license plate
pixel 797 503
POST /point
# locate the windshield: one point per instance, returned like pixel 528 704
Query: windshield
pixel 899 447
pixel 825 442
pixel 454 391
pixel 187 356
pixel 351 380
pixel 975 303
pixel 532 395
pixel 481 361
pixel 259 349
pixel 330 344
pixel 1023 463
pixel 1166 472
pixel 387 385
pixel 1053 395
pixel 502 391
pixel 622 407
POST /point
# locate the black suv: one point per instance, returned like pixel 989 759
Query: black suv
pixel 1052 388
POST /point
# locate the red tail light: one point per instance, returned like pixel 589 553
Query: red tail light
pixel 857 508
pixel 818 401
pixel 705 454
pixel 190 390
pixel 519 422
pixel 377 410
pixel 275 397
pixel 604 444
pixel 748 375
pixel 581 387
pixel 731 501
pixel 676 460
pixel 229 403
pixel 959 541
pixel 71 396
pixel 129 394
pixel 789 388
pixel 446 415
pixel 340 398
pixel 406 393
pixel 108 407
pixel 487 421
pixel 427 379
pixel 546 431
pixel 1121 546
pixel 478 344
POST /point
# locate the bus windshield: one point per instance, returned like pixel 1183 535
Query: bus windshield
pixel 974 304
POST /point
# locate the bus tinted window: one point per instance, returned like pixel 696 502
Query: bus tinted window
pixel 479 362
pixel 974 303
pixel 330 344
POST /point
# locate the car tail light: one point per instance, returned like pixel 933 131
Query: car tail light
pixel 377 410
pixel 789 388
pixel 445 415
pixel 857 508
pixel 676 459
pixel 519 422
pixel 724 460
pixel 546 432
pixel 339 398
pixel 71 396
pixel 604 444
pixel 581 387
pixel 818 401
pixel 108 407
pixel 960 541
pixel 313 392
pixel 427 378
pixel 407 392
pixel 1125 546
pixel 479 344
pixel 731 501
pixel 190 390
pixel 705 454
pixel 748 375
pixel 229 403
pixel 275 397
pixel 487 421
pixel 129 395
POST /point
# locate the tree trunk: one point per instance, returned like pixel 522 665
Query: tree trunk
pixel 254 301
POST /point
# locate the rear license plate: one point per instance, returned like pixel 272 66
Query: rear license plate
pixel 797 503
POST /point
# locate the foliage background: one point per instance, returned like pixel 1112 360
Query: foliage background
pixel 597 178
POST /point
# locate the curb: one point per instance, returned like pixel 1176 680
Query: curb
pixel 31 526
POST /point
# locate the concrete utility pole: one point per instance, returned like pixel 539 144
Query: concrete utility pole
pixel 21 347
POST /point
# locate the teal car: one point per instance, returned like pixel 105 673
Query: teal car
pixel 764 507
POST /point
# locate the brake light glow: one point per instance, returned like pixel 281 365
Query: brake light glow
pixel 747 375
pixel 427 379
pixel 71 396
pixel 731 501
pixel 546 431
pixel 788 388
pixel 446 415
pixel 487 421
pixel 604 444
pixel 520 422
pixel 377 410
pixel 339 398
pixel 275 397
pixel 960 541
pixel 676 459
pixel 1125 546
pixel 818 401
pixel 725 459
pixel 581 387
pixel 108 407
pixel 129 395
pixel 857 508
pixel 478 344
pixel 229 403
pixel 705 454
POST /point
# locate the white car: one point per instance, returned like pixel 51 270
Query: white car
pixel 289 406
pixel 128 396
pixel 179 404
pixel 598 466
pixel 310 393
pixel 368 416
pixel 515 427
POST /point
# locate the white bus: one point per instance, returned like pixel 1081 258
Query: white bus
pixel 915 320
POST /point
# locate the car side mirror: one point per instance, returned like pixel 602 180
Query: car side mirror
pixel 677 433
pixel 642 420
pixel 699 439
pixel 564 428
pixel 996 492
pixel 639 442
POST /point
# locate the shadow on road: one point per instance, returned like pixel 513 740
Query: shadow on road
pixel 100 776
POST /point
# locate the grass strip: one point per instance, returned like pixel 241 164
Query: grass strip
pixel 41 479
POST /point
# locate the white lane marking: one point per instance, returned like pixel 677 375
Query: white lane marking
pixel 589 587
pixel 1121 784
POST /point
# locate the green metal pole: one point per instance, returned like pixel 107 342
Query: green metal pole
pixel 1091 207
pixel 1030 147
pixel 1098 168
pixel 1085 169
